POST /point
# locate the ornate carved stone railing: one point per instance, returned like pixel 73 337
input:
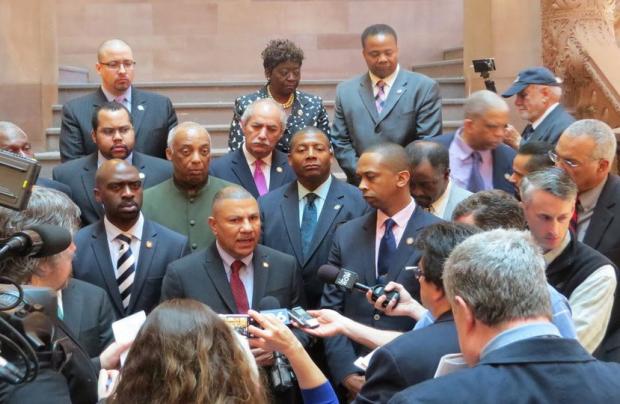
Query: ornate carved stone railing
pixel 579 45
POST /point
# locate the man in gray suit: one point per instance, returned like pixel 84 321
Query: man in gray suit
pixel 430 183
pixel 386 104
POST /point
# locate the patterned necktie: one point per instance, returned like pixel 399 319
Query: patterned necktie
pixel 237 288
pixel 259 178
pixel 387 249
pixel 125 269
pixel 380 97
pixel 574 220
pixel 476 182
pixel 527 131
pixel 308 223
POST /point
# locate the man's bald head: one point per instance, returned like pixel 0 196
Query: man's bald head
pixel 14 139
pixel 230 193
pixel 109 167
pixel 111 44
pixel 391 155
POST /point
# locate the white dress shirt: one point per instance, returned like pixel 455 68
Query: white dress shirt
pixel 389 82
pixel 439 206
pixel 115 245
pixel 246 273
pixel 321 192
pixel 110 97
pixel 401 219
pixel 265 168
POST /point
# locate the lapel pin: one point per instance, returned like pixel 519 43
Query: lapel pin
pixel 409 240
pixel 265 264
pixel 336 207
pixel 400 90
pixel 300 112
pixel 140 107
pixel 142 176
pixel 149 244
pixel 279 169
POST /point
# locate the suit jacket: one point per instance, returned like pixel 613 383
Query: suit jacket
pixel 79 175
pixel 502 162
pixel 457 194
pixel 535 370
pixel 92 263
pixel 280 214
pixel 353 248
pixel 552 126
pixel 307 110
pixel 412 110
pixel 58 186
pixel 152 115
pixel 409 359
pixel 233 167
pixel 89 315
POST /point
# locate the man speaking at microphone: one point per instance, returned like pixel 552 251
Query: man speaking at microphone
pixel 377 246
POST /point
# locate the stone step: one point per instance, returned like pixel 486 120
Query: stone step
pixel 221 91
pixel 443 68
pixel 453 53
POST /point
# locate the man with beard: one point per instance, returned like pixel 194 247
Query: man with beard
pixel 123 253
pixel 257 166
pixel 183 203
pixel 114 136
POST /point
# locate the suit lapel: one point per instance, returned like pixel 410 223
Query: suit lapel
pixel 106 266
pixel 398 89
pixel 602 216
pixel 406 246
pixel 290 213
pixel 367 97
pixel 88 182
pixel 242 171
pixel 214 267
pixel 138 109
pixel 260 261
pixel 278 170
pixel 367 255
pixel 148 246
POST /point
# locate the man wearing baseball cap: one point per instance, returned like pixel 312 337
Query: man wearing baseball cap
pixel 538 92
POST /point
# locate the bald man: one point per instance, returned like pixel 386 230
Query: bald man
pixel 13 139
pixel 123 253
pixel 377 246
pixel 153 114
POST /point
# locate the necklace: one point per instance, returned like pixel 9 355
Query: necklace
pixel 288 103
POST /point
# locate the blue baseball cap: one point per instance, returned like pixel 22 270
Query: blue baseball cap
pixel 532 75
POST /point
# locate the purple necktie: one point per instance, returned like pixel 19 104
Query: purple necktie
pixel 380 97
pixel 259 178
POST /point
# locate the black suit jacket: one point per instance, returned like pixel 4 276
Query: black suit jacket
pixel 552 126
pixel 280 215
pixel 502 161
pixel 409 359
pixel 152 115
pixel 58 186
pixel 535 370
pixel 233 167
pixel 79 175
pixel 159 247
pixel 353 248
pixel 89 315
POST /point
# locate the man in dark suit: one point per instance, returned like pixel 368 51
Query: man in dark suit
pixel 123 253
pixel 113 134
pixel 153 114
pixel 479 160
pixel 257 166
pixel 586 151
pixel 15 140
pixel 386 104
pixel 495 282
pixel 294 225
pixel 377 246
pixel 538 102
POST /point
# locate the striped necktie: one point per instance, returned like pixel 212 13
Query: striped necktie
pixel 125 269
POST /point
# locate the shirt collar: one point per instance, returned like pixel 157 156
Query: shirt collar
pixel 401 217
pixel 228 259
pixel 589 198
pixel 551 255
pixel 112 231
pixel 101 159
pixel 321 191
pixel 544 115
pixel 111 97
pixel 462 150
pixel 251 159
pixel 389 80
pixel 440 203
pixel 519 333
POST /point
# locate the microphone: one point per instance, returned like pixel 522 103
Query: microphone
pixel 270 305
pixel 37 241
pixel 9 372
pixel 347 280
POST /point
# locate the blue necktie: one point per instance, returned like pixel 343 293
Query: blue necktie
pixel 387 249
pixel 308 223
pixel 476 182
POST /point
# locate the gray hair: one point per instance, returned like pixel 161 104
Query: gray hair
pixel 600 132
pixel 492 209
pixel 500 274
pixel 249 111
pixel 46 206
pixel 552 180
pixel 480 102
pixel 184 125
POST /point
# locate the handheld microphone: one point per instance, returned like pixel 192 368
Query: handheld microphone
pixel 347 280
pixel 270 305
pixel 37 241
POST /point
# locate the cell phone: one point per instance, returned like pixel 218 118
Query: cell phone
pixel 302 317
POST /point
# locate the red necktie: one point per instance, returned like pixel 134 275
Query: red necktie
pixel 238 290
pixel 573 220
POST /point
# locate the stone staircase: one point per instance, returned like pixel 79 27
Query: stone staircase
pixel 211 103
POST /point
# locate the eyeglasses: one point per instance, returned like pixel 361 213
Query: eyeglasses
pixel 116 64
pixel 557 159
pixel 417 272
